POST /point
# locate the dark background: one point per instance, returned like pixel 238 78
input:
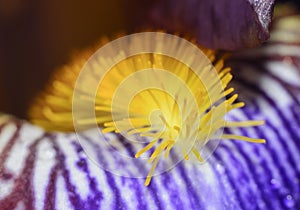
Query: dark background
pixel 37 36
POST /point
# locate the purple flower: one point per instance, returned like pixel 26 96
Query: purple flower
pixel 42 170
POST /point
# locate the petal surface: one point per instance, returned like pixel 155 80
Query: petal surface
pixel 218 24
pixel 51 171
pixel 41 170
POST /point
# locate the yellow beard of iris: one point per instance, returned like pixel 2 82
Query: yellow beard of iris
pixel 167 113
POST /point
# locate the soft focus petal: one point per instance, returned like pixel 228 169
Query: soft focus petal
pixel 47 171
pixel 218 24
pixel 50 171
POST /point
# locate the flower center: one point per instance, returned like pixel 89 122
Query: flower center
pixel 153 85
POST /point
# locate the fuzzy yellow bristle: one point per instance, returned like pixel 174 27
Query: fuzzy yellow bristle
pixel 140 95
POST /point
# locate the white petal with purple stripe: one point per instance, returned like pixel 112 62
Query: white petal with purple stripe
pixel 51 171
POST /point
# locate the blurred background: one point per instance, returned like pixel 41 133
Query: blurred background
pixel 36 37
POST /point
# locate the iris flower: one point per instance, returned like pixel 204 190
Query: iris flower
pixel 50 170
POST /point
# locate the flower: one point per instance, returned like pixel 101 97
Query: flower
pixel 47 170
pixel 153 90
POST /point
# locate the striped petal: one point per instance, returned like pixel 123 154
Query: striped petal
pixel 51 171
pixel 41 170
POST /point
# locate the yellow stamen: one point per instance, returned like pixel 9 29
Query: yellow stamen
pixel 167 112
pixel 244 138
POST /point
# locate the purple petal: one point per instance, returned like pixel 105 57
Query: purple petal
pixel 50 171
pixel 218 24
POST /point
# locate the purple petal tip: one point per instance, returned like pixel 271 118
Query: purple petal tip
pixel 217 24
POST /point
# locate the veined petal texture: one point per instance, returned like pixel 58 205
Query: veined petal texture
pixel 41 170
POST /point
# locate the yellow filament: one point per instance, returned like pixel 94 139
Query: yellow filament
pixel 245 123
pixel 149 176
pixel 244 138
pixel 197 154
